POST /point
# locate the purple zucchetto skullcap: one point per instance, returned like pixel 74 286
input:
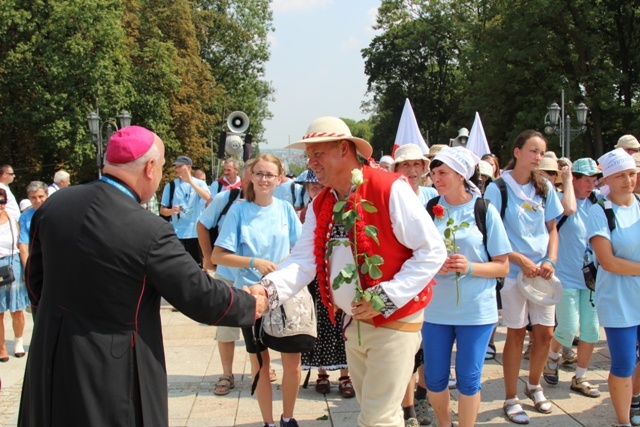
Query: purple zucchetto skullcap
pixel 128 144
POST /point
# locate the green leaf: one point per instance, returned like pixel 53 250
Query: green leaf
pixel 377 303
pixel 450 221
pixel 368 206
pixel 375 272
pixel 377 259
pixel 337 282
pixel 364 268
pixel 447 233
pixel 464 225
pixel 339 206
pixel 372 232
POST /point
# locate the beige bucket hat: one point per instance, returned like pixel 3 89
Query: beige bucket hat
pixel 327 129
pixel 541 291
pixel 408 152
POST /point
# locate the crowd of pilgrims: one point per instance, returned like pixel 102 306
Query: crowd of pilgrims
pixel 547 243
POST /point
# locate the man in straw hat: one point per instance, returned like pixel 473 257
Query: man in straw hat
pixel 380 344
pixel 628 143
pixel 98 267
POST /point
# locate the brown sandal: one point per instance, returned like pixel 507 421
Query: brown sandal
pixel 224 385
pixel 323 385
pixel 346 388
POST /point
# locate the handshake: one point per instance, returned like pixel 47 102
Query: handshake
pixel 260 294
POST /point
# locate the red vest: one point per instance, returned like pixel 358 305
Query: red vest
pixel 377 190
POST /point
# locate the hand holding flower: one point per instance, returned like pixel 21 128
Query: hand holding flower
pixel 363 309
pixel 458 263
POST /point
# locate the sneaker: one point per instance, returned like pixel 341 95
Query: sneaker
pixel 569 357
pixel 291 423
pixel 422 411
pixel 411 422
pixel 635 411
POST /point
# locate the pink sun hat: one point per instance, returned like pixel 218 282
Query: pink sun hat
pixel 128 144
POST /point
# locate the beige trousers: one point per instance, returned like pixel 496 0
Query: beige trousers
pixel 380 367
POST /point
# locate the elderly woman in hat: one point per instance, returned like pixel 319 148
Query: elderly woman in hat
pixel 412 164
pixel 613 229
pixel 529 210
pixel 463 308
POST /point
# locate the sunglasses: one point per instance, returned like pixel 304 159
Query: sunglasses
pixel 3 201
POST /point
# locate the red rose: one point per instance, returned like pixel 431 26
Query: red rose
pixel 438 211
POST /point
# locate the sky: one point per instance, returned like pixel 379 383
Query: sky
pixel 316 67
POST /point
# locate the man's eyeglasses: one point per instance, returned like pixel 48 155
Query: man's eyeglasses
pixel 10 173
pixel 269 177
pixel 3 201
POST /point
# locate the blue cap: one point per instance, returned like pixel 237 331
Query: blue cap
pixel 585 166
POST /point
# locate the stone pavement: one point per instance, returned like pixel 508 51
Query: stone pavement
pixel 193 366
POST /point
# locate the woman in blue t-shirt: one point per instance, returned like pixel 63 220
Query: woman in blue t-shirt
pixel 618 282
pixel 463 308
pixel 529 218
pixel 258 234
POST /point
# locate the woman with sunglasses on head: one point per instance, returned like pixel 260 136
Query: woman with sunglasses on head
pixel 529 218
pixel 257 234
pixel 13 297
pixel 463 308
pixel 613 229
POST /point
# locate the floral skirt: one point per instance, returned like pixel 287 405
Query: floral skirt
pixel 329 352
pixel 14 297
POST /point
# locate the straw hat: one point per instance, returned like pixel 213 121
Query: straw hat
pixel 328 129
pixel 408 152
pixel 435 149
pixel 636 157
pixel 628 141
pixel 549 164
pixel 539 290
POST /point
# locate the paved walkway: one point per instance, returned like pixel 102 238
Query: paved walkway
pixel 193 366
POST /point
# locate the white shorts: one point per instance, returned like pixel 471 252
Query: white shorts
pixel 518 310
pixel 227 333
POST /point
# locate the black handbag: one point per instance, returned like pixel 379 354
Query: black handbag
pixel 6 272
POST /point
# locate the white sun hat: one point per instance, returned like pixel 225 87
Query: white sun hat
pixel 539 290
pixel 327 129
pixel 409 152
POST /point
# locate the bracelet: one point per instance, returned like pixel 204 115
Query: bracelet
pixel 550 261
pixel 468 273
pixel 251 262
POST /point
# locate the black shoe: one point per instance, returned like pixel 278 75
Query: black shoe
pixel 291 423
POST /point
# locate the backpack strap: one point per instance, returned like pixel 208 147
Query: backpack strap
pixel 480 215
pixel 502 186
pixel 172 190
pixel 233 195
pixel 293 194
pixel 608 211
pixel 592 198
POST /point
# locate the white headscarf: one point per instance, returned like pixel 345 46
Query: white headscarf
pixel 463 162
pixel 616 161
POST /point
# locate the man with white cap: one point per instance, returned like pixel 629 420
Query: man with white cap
pixel 386 162
pixel 99 265
pixel 613 229
pixel 380 343
pixel 628 143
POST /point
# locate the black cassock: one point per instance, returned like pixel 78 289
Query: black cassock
pixel 98 266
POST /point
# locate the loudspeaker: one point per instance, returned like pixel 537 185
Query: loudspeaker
pixel 248 148
pixel 233 145
pixel 238 122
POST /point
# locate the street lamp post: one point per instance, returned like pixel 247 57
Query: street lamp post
pixel 556 122
pixel 96 126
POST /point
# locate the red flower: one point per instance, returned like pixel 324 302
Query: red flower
pixel 438 211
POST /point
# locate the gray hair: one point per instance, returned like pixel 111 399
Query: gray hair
pixel 34 186
pixel 234 162
pixel 61 175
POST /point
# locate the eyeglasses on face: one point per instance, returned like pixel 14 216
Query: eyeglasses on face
pixel 10 173
pixel 268 176
pixel 3 201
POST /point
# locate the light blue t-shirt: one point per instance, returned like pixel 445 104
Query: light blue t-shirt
pixel 617 295
pixel 193 205
pixel 572 242
pixel 477 304
pixel 25 225
pixel 425 194
pixel 285 192
pixel 209 218
pixel 527 229
pixel 263 232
